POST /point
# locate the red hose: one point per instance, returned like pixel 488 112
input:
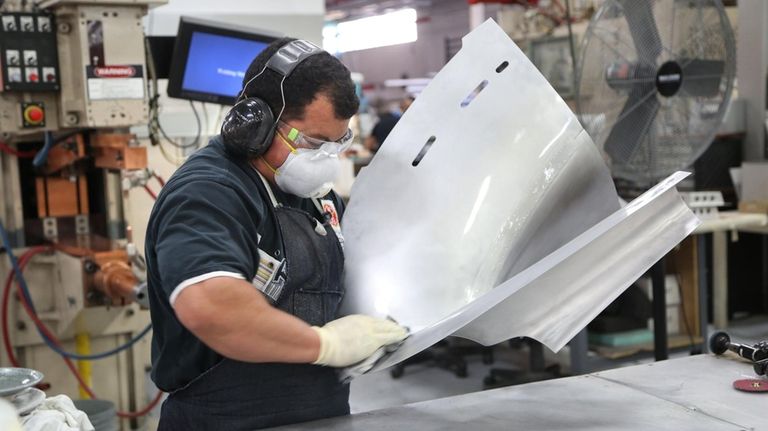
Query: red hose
pixel 151 193
pixel 152 404
pixel 159 179
pixel 6 335
pixel 23 260
pixel 6 299
pixel 14 152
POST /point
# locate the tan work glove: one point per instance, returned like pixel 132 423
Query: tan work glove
pixel 351 339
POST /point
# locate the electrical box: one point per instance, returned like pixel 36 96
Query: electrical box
pixel 103 71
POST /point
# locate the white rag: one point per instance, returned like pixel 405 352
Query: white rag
pixel 9 419
pixel 57 414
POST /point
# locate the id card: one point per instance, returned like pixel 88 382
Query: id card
pixel 269 278
pixel 330 208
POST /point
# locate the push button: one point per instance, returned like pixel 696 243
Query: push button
pixel 34 115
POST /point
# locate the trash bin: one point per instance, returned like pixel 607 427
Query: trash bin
pixel 102 414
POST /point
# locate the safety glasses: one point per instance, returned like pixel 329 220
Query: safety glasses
pixel 299 140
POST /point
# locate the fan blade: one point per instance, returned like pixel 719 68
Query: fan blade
pixel 702 77
pixel 633 123
pixel 642 26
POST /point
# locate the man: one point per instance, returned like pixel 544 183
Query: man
pixel 386 123
pixel 244 269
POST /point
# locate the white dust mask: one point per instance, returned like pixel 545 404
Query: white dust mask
pixel 309 173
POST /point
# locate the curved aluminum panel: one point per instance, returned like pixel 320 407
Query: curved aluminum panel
pixel 489 213
pixel 486 173
pixel 558 296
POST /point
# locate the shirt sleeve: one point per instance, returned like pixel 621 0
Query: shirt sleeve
pixel 204 230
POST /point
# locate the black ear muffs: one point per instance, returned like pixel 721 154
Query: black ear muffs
pixel 248 128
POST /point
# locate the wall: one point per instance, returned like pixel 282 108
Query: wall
pixel 751 66
pixel 446 18
pixel 297 18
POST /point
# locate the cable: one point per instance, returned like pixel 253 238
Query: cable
pixel 55 344
pixel 195 143
pixel 171 159
pixel 151 193
pixel 159 179
pixel 199 133
pixel 41 157
pixel 14 152
pixel 206 120
pixel 6 299
pixel 148 408
pixel 42 328
pixel 154 125
pixel 28 308
pixel 56 347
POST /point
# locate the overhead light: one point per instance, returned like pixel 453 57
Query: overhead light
pixel 335 15
pixel 382 30
pixel 406 82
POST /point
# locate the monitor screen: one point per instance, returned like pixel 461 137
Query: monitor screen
pixel 210 60
pixel 160 49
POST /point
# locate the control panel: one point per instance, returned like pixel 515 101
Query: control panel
pixel 29 52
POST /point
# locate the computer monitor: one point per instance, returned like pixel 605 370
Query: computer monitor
pixel 210 59
pixel 160 49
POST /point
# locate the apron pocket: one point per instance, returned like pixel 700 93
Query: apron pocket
pixel 315 307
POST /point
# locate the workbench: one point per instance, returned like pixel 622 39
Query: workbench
pixel 691 393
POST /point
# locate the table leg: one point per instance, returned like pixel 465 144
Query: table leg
pixel 720 279
pixel 701 256
pixel 660 346
pixel 579 346
pixel 764 241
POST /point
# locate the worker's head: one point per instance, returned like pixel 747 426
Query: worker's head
pixel 318 76
pixel 406 103
pixel 312 107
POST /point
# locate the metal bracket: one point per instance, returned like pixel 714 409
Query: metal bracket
pixel 50 228
pixel 82 227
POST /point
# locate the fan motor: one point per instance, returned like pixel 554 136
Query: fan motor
pixel 669 78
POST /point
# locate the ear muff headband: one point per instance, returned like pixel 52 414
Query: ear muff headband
pixel 249 127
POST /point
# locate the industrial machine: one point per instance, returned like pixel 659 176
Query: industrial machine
pixel 73 81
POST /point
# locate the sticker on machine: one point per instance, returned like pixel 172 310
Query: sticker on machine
pixel 115 82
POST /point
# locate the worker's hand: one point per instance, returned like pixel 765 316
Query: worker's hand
pixel 351 339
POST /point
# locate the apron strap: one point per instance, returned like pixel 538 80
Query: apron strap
pixel 269 189
pixel 272 197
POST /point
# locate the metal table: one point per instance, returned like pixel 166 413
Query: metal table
pixel 680 394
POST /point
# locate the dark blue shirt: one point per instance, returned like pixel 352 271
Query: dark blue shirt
pixel 385 125
pixel 207 219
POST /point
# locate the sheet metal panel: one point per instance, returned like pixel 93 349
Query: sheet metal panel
pixel 691 393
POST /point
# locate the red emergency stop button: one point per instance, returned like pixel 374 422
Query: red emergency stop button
pixel 34 115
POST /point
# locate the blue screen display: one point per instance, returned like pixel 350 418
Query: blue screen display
pixel 216 64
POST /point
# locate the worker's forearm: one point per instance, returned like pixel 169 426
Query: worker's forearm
pixel 234 319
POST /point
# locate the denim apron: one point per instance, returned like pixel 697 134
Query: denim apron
pixel 234 395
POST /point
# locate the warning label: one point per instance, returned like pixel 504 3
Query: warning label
pixel 115 82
